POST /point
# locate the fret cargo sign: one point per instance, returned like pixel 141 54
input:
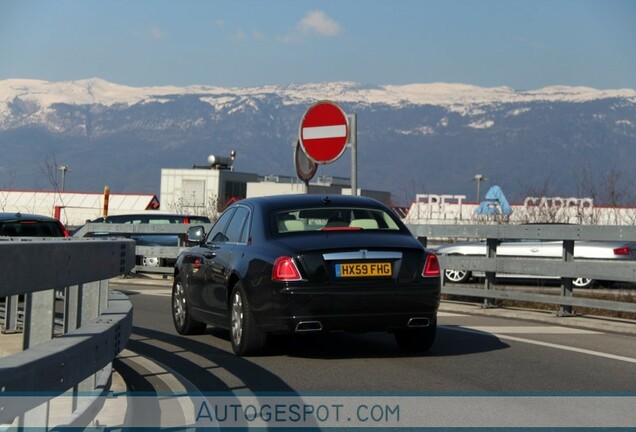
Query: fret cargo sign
pixel 558 202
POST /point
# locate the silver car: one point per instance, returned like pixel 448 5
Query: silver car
pixel 611 250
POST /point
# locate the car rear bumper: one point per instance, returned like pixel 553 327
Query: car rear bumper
pixel 355 310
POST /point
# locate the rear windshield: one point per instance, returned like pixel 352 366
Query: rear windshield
pixel 333 219
pixel 31 229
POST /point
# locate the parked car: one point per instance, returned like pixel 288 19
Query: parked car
pixel 611 250
pixel 31 225
pixel 307 263
pixel 151 239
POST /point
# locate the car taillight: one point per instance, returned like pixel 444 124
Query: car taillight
pixel 285 270
pixel 431 266
pixel 623 251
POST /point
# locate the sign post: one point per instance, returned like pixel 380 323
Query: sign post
pixel 353 121
pixel 325 131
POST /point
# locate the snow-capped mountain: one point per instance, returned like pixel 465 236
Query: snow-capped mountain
pixel 454 97
pixel 418 138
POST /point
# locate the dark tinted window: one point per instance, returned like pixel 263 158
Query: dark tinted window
pixel 31 229
pixel 217 233
pixel 198 219
pixel 235 231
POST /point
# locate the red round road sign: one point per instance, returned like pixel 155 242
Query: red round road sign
pixel 324 132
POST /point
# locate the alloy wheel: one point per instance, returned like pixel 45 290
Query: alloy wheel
pixel 237 318
pixel 456 275
pixel 582 282
pixel 178 304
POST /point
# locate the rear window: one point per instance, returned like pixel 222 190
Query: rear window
pixel 333 219
pixel 31 229
pixel 198 219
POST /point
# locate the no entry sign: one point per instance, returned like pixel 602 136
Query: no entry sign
pixel 324 132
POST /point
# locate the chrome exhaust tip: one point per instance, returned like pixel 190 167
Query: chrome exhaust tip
pixel 419 322
pixel 305 326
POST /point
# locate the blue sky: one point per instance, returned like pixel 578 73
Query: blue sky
pixel 521 44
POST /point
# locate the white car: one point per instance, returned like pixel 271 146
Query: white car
pixel 611 250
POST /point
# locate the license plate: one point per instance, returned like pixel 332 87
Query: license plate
pixel 380 269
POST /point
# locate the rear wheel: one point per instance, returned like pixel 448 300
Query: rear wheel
pixel 582 282
pixel 246 337
pixel 150 261
pixel 416 339
pixel 457 276
pixel 183 321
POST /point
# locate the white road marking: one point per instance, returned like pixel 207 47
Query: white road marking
pixel 550 345
pixel 573 349
pixel 530 330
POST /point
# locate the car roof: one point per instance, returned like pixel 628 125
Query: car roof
pixel 307 200
pixel 24 216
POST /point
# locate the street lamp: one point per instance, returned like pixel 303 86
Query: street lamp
pixel 478 179
pixel 64 169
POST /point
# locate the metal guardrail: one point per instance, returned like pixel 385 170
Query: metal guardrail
pixel 136 230
pixel 65 349
pixel 566 268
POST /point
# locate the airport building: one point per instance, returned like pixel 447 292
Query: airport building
pixel 200 190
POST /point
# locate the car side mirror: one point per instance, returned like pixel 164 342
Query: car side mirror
pixel 195 235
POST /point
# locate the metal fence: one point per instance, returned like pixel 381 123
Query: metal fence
pixel 62 327
pixel 566 268
pixel 169 239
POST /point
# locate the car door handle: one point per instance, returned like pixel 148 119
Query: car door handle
pixel 209 255
pixel 535 250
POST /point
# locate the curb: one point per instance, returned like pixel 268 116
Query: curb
pixel 168 383
pixel 156 281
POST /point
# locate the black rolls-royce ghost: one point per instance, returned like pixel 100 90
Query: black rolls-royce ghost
pixel 307 263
